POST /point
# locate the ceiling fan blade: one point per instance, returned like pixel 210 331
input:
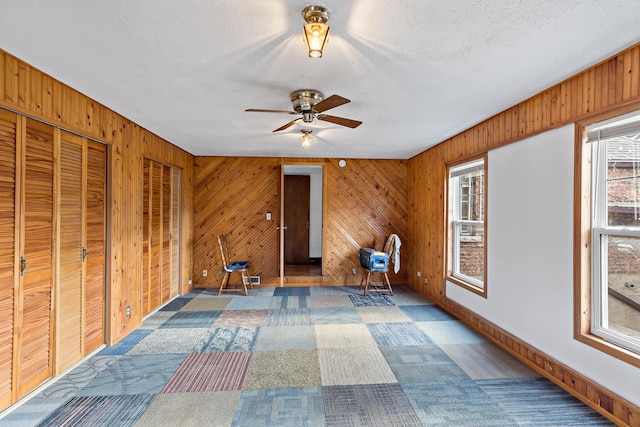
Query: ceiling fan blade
pixel 256 110
pixel 339 121
pixel 291 123
pixel 331 102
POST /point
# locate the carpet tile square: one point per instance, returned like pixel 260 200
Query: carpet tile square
pixel 404 294
pixel 319 301
pixel 251 318
pixel 228 339
pixel 211 408
pixel 282 407
pixel 203 293
pixel 176 304
pixel 286 338
pixel 156 320
pixel 287 301
pixel 371 300
pixel 399 333
pixel 335 315
pixel 32 412
pixel 451 332
pixel 426 313
pixel 169 340
pixel 125 344
pixel 210 372
pixel 283 368
pixel 288 317
pixel 295 291
pixel 421 363
pixel 130 375
pixel 537 401
pixel 368 405
pixel 383 314
pixel 341 366
pixel 334 290
pixel 249 303
pixel 78 378
pixel 99 411
pixel 206 304
pixel 343 336
pixel 455 403
pixel 191 319
pixel 486 361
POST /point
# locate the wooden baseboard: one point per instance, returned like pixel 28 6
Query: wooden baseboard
pixel 609 404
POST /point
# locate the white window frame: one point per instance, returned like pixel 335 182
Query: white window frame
pixel 456 172
pixel 598 134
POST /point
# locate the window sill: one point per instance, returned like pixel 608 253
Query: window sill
pixel 468 286
pixel 609 348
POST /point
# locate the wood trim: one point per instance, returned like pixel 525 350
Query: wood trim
pixel 281 228
pixel 607 403
pixel 18 247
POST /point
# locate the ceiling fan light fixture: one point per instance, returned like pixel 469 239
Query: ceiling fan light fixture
pixel 305 140
pixel 316 29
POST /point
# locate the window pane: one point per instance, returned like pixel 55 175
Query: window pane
pixel 471 251
pixel 623 181
pixel 623 279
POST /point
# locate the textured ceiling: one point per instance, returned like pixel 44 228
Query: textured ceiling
pixel 416 71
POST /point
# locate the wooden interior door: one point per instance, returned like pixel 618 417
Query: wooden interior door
pixel 165 258
pixel 8 258
pixel 296 218
pixel 95 259
pixel 32 348
pixel 69 289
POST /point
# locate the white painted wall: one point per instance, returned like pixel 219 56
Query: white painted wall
pixel 315 204
pixel 530 257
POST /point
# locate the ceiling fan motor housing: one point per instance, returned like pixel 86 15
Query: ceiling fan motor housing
pixel 303 101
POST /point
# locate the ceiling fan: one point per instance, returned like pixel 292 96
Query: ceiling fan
pixel 310 104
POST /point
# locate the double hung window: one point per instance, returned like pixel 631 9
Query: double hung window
pixel 467 224
pixel 615 231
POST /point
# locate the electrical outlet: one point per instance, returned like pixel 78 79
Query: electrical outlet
pixel 204 273
pixel 189 282
pixel 426 281
pixel 128 313
pixel 355 272
pixel 418 274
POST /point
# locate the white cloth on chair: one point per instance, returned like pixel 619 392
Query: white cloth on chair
pixel 392 247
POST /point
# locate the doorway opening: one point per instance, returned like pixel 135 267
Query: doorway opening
pixel 303 187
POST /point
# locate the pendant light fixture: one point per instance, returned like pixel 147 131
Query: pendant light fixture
pixel 316 29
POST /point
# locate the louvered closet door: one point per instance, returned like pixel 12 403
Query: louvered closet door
pixel 146 233
pixel 155 235
pixel 95 220
pixel 69 313
pixel 166 233
pixel 32 351
pixel 7 250
pixel 175 231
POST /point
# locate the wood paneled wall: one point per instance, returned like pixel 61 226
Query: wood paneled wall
pixel 614 83
pixel 29 91
pixel 365 202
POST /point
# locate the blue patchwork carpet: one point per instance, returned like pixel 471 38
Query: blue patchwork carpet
pixel 309 356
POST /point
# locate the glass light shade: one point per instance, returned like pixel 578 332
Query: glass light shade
pixel 315 37
pixel 306 141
